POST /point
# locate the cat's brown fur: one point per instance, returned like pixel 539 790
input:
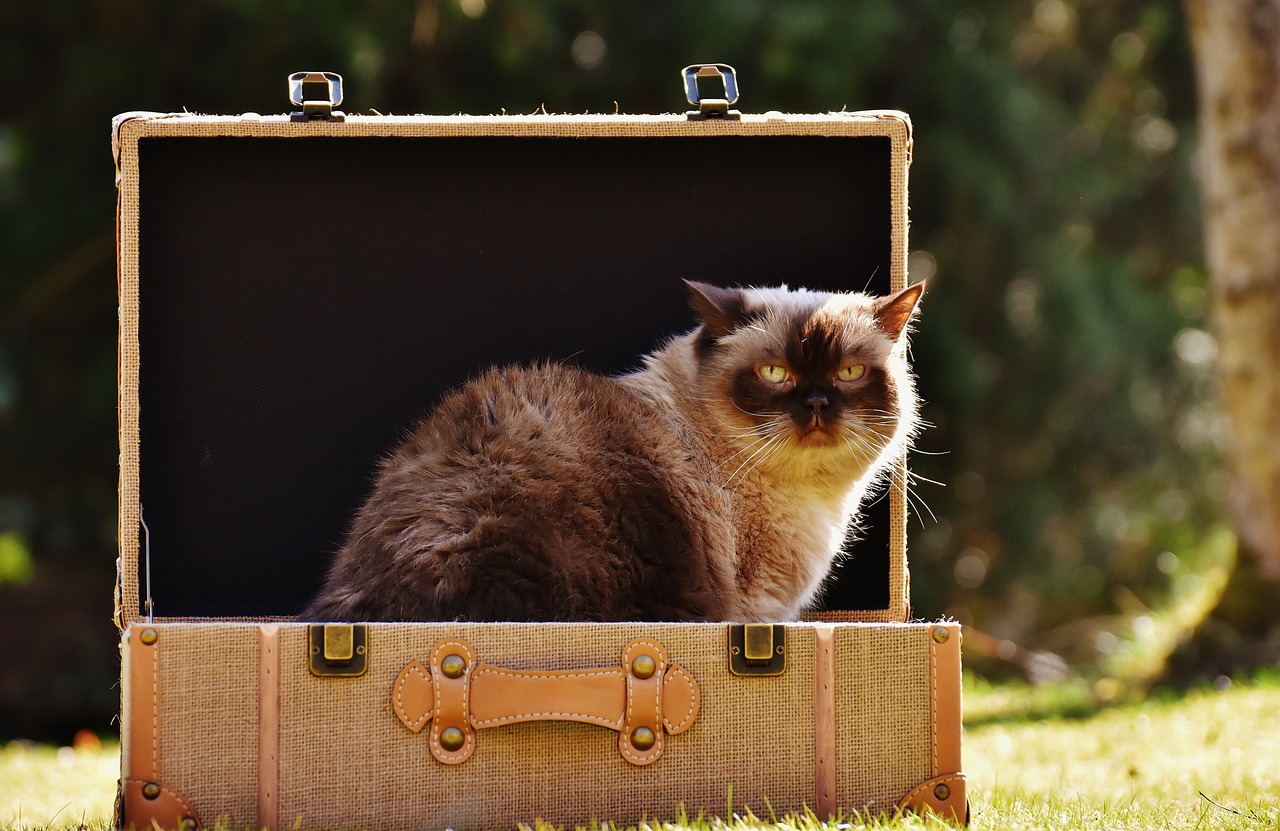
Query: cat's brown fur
pixel 705 486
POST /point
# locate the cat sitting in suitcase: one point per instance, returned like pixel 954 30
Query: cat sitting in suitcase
pixel 715 483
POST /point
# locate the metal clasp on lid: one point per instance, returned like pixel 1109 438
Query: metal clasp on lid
pixel 338 649
pixel 757 648
pixel 711 107
pixel 322 109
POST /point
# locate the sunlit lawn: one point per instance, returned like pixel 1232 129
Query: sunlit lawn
pixel 1204 760
pixel 60 787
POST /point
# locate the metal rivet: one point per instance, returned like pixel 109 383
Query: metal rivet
pixel 188 824
pixel 148 637
pixel 642 738
pixel 941 634
pixel 151 790
pixel 453 666
pixel 451 739
pixel 942 792
pixel 643 667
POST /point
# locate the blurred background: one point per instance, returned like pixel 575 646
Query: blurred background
pixel 1081 525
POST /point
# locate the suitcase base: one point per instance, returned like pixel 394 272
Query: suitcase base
pixel 230 720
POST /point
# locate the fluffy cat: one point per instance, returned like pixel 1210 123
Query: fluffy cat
pixel 715 483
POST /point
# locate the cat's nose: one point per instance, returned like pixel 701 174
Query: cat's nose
pixel 816 400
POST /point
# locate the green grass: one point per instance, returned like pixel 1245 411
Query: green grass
pixel 1204 760
pixel 49 787
pixel 1037 758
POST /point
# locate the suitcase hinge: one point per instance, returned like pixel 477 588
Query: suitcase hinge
pixel 338 649
pixel 757 648
pixel 325 91
pixel 716 106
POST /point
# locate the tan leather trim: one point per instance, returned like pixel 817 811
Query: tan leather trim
pixel 593 696
pixel 665 703
pixel 412 696
pixel 681 699
pixel 168 810
pixel 942 795
pixel 269 726
pixel 141 758
pixel 945 697
pixel 452 697
pixel 644 703
pixel 824 717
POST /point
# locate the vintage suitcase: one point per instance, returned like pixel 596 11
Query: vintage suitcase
pixel 296 290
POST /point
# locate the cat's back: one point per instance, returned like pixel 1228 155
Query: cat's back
pixel 547 408
pixel 540 493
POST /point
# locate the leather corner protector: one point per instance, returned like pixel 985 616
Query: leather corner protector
pixel 413 697
pixel 150 805
pixel 681 699
pixel 942 795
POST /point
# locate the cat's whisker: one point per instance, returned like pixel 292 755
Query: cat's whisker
pixel 758 415
pixel 919 506
pixel 863 442
pixel 749 448
pixel 916 477
pixel 764 429
pixel 748 433
pixel 771 452
pixel 776 339
pixel 769 445
pixel 913 477
pixel 909 494
pixel 874 419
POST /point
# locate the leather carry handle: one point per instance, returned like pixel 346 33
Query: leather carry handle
pixel 645 699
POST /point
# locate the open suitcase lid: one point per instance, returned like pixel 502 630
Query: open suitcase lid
pixel 296 292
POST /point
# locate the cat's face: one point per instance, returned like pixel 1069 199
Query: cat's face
pixel 810 371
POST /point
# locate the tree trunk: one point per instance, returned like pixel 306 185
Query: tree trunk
pixel 1236 44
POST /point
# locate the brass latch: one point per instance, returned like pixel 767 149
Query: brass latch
pixel 757 648
pixel 338 649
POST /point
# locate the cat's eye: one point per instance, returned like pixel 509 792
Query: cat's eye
pixel 852 372
pixel 773 373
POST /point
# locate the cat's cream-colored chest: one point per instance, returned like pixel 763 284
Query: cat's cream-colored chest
pixel 785 548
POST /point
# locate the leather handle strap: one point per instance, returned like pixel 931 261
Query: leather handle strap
pixel 645 699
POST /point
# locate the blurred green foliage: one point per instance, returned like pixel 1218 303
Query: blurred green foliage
pixel 1054 210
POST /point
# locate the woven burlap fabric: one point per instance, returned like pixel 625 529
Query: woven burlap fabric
pixel 883 714
pixel 346 761
pixel 753 738
pixel 131 130
pixel 127 226
pixel 207 721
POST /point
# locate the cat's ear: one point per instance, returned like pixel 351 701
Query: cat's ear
pixel 721 310
pixel 894 313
